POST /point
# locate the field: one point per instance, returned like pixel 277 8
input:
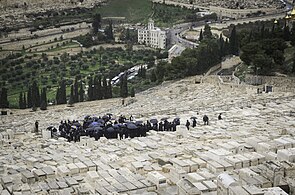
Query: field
pixel 133 10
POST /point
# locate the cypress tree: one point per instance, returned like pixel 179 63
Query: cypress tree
pixel 35 94
pixel 4 100
pixel 29 98
pixel 207 32
pixel 90 89
pixel 71 101
pixel 63 92
pixel 287 33
pixel 153 76
pixel 97 88
pixel 57 96
pixel 76 90
pixel 81 92
pixel 20 101
pixel 100 89
pixel 226 47
pixel 105 88
pixel 96 23
pixel 221 47
pixel 109 31
pixel 25 101
pixel 43 105
pixel 110 88
pixel 201 35
pixel 233 41
pixel 132 92
pixel 123 86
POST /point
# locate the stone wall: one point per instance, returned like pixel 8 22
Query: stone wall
pixel 279 83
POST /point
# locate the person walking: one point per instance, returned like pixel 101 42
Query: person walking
pixel 36 126
pixel 187 124
pixel 194 122
pixel 206 120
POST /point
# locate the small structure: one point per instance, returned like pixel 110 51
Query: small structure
pixel 224 182
pixel 156 178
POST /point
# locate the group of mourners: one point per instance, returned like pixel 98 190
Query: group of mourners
pixel 110 128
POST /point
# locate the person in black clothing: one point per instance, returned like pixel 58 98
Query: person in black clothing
pixel 36 126
pixel 219 117
pixel 148 125
pixel 194 122
pixel 161 126
pixel 187 124
pixel 166 125
pixel 206 120
pixel 174 126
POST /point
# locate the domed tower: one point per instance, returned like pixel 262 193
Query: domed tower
pixel 151 25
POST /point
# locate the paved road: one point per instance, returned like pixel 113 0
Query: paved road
pixel 175 32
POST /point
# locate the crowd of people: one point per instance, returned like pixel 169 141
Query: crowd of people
pixel 110 128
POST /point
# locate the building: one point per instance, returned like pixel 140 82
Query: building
pixel 152 36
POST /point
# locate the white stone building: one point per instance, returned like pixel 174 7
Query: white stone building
pixel 152 36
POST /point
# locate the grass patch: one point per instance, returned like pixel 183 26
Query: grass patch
pixel 132 10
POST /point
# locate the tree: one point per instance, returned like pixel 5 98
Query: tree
pixel 76 90
pixel 29 98
pixel 142 72
pixel 207 32
pixel 90 89
pixel 21 101
pixel 248 51
pixel 71 100
pixel 201 35
pixel 61 93
pixel 43 105
pixel 287 33
pixel 96 23
pixel 153 76
pixel 4 100
pixel 110 91
pixel 233 41
pixel 25 101
pixel 132 92
pixel 81 92
pixel 221 47
pixel 262 64
pixel 35 94
pixel 123 86
pixel 109 31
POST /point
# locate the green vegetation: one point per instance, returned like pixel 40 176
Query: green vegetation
pixel 267 48
pixel 19 70
pixel 133 10
pixel 193 61
pixel 167 15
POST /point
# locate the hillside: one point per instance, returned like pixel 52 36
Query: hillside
pixel 181 98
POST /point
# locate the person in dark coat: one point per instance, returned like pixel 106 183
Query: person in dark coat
pixel 194 122
pixel 174 124
pixel 36 126
pixel 166 125
pixel 187 124
pixel 161 126
pixel 206 120
pixel 219 117
pixel 148 125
